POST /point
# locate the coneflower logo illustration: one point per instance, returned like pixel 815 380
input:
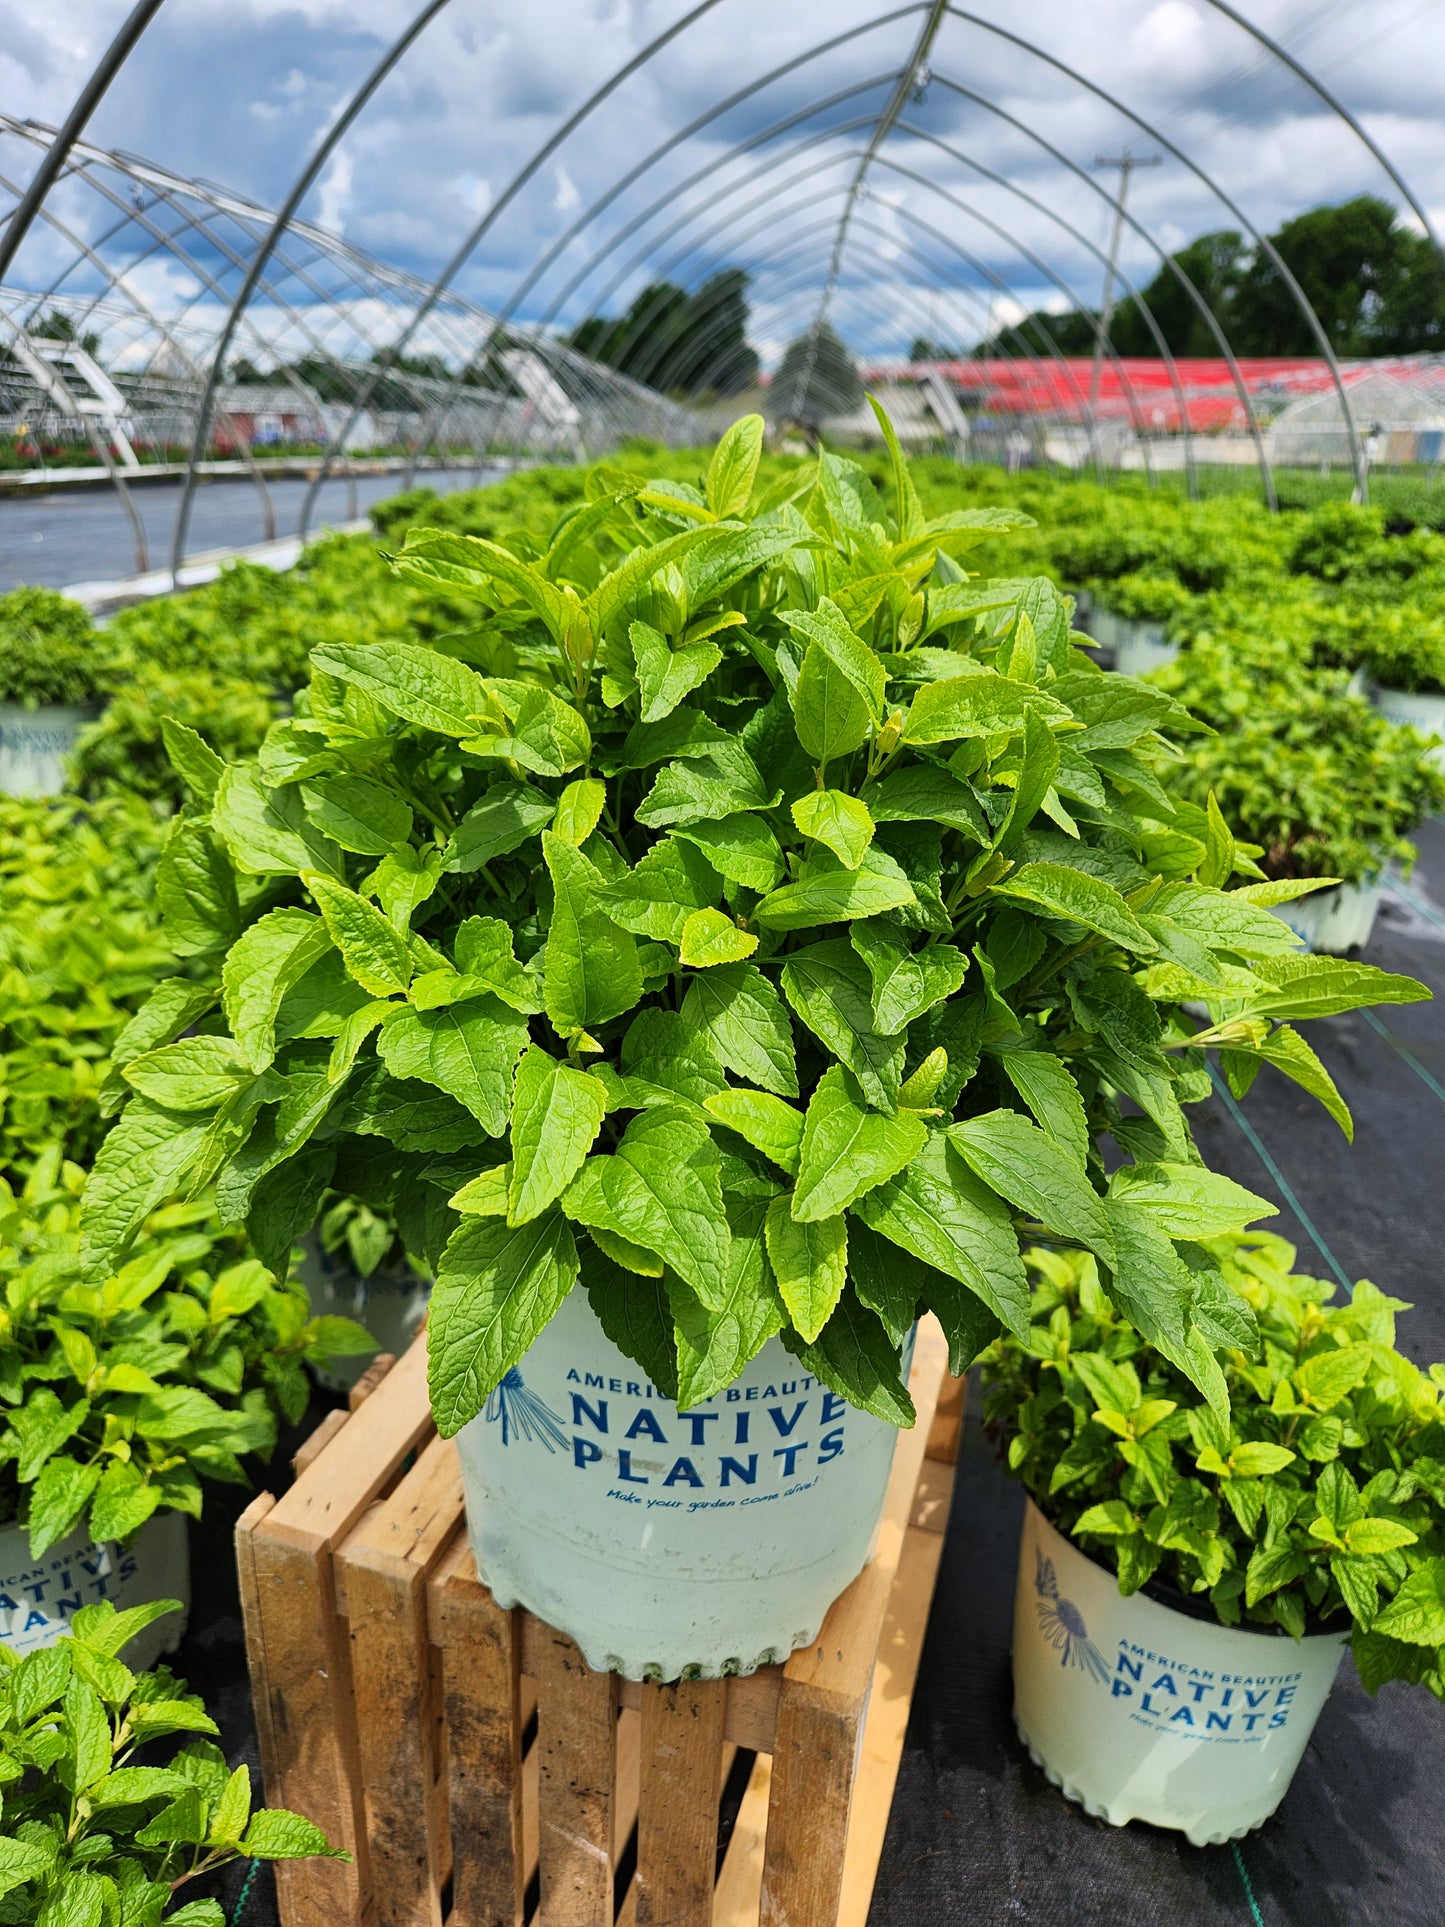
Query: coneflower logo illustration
pixel 1062 1624
pixel 522 1412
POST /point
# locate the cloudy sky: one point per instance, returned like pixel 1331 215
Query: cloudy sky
pixel 743 133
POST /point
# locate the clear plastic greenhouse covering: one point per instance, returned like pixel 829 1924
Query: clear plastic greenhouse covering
pixel 419 220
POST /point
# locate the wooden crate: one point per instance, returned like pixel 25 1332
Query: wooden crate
pixel 478 1771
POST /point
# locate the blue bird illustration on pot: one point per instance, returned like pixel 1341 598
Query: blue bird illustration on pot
pixel 1062 1624
pixel 521 1411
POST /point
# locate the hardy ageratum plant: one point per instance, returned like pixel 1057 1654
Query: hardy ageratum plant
pixel 752 918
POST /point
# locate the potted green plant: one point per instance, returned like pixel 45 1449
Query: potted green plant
pixel 119 1395
pixel 1140 608
pixel 98 1827
pixel 1193 1567
pixel 53 670
pixel 1403 656
pixel 709 992
pixel 1321 785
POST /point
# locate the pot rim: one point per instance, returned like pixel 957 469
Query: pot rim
pixel 1191 1605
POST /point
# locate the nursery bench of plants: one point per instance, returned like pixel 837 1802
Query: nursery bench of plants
pixel 461 1752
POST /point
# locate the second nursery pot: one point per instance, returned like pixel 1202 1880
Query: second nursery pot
pixel 39 1596
pixel 390 1302
pixel 34 744
pixel 706 1542
pixel 1334 921
pixel 1138 1712
pixel 1423 713
pixel 1141 646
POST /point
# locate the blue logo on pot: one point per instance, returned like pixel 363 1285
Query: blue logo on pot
pixel 1062 1624
pixel 522 1411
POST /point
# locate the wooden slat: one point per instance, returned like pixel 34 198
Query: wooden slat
pixel 933 1496
pixel 946 1432
pixel 375 1372
pixel 316 1441
pixel 738 1894
pixel 576 1742
pixel 481 1670
pixel 825 1686
pixel 256 1660
pixel 682 1739
pixel 889 1703
pixel 386 1561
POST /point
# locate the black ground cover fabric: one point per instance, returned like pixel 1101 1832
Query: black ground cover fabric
pixel 977 1835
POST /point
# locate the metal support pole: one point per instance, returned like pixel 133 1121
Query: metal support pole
pixel 1126 163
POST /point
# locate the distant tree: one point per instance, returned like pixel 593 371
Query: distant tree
pixel 1346 260
pixel 816 378
pixel 1213 263
pixel 676 341
pixel 58 326
pixel 1072 333
pixel 245 374
pixel 926 349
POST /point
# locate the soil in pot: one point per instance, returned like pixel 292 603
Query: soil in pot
pixel 1138 1712
pixel 667 1543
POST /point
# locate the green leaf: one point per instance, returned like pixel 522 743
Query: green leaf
pixel 766 1122
pixel 714 1345
pixel 831 715
pixel 467 1050
pixel 1078 898
pixel 124 1500
pixel 579 810
pixel 452 562
pixel 657 898
pixel 497 1286
pixel 1288 1052
pixel 57 1500
pixel 1046 1085
pixel 1373 1536
pixel 1258 1459
pixel 982 704
pixel 195 888
pixel 665 676
pixel 831 990
pixel 906 506
pixel 1025 1165
pixel 358 813
pixel 91 1750
pixel 927 794
pixel 592 970
pixel 556 1115
pixel 484 1196
pixel 275 1834
pixel 1218 864
pixel 267 831
pixel 847 1149
pixel 662 1190
pixel 1416 1614
pixel 741 848
pixel 20 1862
pixel 856 1358
pixel 737 1012
pixel 938 1210
pixel 233 1809
pixel 1325 986
pixel 704 791
pixel 905 984
pixel 417 684
pixel 266 961
pixel 508 816
pixel 734 466
pixel 374 951
pixel 196 1074
pixel 810 1263
pixel 710 938
pixel 485 962
pixel 547 736
pixel 140 1164
pixel 1186 1201
pixel 838 821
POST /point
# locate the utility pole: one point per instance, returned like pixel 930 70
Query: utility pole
pixel 1126 163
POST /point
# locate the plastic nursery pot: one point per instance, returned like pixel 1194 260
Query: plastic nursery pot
pixel 705 1543
pixel 1334 921
pixel 1425 713
pixel 1140 647
pixel 391 1303
pixel 34 744
pixel 38 1596
pixel 1138 1712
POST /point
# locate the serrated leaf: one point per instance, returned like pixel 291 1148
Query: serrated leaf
pixel 592 970
pixel 374 951
pixel 714 1345
pixel 1078 898
pixel 1047 1086
pixel 196 1074
pixel 1326 986
pixel 838 821
pixel 927 794
pixel 636 1314
pixel 1024 1165
pixel 710 937
pixel 1416 1614
pixel 768 1124
pixel 358 813
pixel 579 810
pixel 656 899
pixel 830 988
pixel 662 1190
pixel 420 685
pixel 810 1264
pixel 497 1286
pixel 275 1834
pixel 905 984
pixel 1186 1201
pixel 943 1214
pixel 266 961
pixel 266 831
pixel 856 1358
pixel 666 675
pixel 739 1014
pixel 556 1114
pixel 508 816
pixel 741 848
pixel 847 1149
pixel 466 1049
pixel 734 466
pixel 976 705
